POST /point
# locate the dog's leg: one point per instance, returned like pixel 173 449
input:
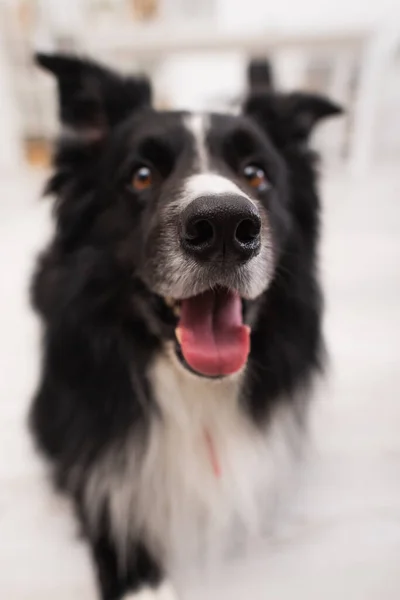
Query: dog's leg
pixel 141 579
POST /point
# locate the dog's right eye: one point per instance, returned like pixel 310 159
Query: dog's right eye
pixel 255 177
pixel 142 179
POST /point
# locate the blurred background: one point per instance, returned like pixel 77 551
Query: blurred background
pixel 341 537
pixel 196 52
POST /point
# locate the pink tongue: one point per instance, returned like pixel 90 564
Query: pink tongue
pixel 213 339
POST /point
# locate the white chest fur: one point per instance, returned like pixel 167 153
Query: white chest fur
pixel 171 492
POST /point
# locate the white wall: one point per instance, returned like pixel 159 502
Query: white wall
pixel 305 14
pixel 10 146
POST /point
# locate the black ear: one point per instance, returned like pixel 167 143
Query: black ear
pixel 92 99
pixel 259 75
pixel 290 118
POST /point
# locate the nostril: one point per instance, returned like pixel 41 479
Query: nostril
pixel 248 231
pixel 199 232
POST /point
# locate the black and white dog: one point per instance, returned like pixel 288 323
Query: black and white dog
pixel 182 317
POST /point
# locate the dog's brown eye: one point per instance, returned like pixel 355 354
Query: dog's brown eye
pixel 255 177
pixel 142 179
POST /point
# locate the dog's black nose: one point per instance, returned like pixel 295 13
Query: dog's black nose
pixel 226 227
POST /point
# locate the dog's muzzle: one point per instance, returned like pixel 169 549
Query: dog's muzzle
pixel 213 253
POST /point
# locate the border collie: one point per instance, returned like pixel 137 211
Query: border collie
pixel 181 315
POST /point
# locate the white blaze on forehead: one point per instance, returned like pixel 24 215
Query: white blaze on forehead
pixel 197 125
pixel 210 184
pixel 205 182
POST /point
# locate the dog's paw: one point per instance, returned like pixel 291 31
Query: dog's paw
pixel 164 592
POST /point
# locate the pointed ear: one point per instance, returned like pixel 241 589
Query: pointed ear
pixel 307 110
pixel 260 75
pixel 92 99
pixel 290 118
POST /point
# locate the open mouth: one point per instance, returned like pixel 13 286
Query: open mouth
pixel 211 336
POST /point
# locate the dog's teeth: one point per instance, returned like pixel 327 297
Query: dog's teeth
pixel 169 301
pixel 177 310
pixel 178 334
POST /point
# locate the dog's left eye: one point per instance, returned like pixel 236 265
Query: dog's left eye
pixel 142 179
pixel 255 177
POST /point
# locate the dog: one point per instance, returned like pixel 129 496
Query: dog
pixel 181 311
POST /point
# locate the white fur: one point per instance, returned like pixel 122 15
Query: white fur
pixel 210 184
pixel 198 124
pixel 164 592
pixel 207 184
pixel 168 491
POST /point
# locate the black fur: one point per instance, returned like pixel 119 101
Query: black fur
pixel 103 321
pixel 260 76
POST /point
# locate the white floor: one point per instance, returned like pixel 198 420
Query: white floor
pixel 342 539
